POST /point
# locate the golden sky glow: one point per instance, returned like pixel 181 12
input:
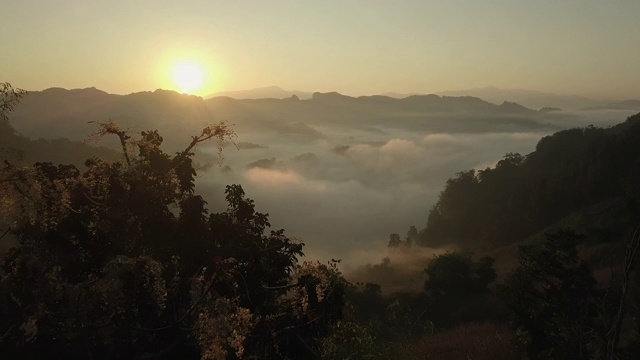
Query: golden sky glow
pixel 356 47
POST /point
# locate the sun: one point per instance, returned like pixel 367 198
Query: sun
pixel 188 76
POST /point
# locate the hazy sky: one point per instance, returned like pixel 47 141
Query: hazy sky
pixel 354 47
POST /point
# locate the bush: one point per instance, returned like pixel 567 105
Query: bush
pixel 123 260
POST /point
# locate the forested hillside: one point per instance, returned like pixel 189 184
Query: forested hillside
pixel 570 171
pixel 562 224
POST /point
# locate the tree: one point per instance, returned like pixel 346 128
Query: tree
pixel 123 260
pixel 457 204
pixel 394 241
pixel 552 296
pixel 458 286
pixel 9 99
pixel 455 274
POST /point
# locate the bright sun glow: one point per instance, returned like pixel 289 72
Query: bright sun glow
pixel 188 76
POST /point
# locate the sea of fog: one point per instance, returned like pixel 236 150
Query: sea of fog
pixel 343 191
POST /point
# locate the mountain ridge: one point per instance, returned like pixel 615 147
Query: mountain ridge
pixel 183 115
pixel 618 105
pixel 528 98
pixel 267 92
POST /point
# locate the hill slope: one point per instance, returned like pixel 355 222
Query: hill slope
pixel 572 171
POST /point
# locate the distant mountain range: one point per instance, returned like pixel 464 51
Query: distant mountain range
pixel 57 113
pixel 162 107
pixel 399 95
pixel 60 113
pixel 528 98
pixel 269 92
pixel 620 105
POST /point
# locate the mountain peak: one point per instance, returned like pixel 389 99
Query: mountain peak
pixel 512 107
pixel 333 95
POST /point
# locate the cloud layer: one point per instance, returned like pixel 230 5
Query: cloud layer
pixel 343 189
pixel 340 202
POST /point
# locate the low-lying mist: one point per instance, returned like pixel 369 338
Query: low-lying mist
pixel 344 190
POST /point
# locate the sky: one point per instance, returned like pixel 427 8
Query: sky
pixel 581 47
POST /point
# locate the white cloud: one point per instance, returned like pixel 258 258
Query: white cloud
pixel 289 180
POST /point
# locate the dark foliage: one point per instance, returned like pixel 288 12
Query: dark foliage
pixel 557 310
pixel 457 288
pixel 569 170
pixel 122 260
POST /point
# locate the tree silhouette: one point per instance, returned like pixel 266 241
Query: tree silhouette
pixel 123 260
pixel 553 299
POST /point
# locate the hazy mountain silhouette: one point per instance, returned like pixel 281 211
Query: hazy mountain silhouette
pixel 55 113
pixel 372 104
pixel 60 113
pixel 399 95
pixel 620 105
pixel 528 98
pixel 269 92
pixel 59 151
pixel 415 113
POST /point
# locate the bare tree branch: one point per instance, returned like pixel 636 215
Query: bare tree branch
pixel 111 127
pixel 220 132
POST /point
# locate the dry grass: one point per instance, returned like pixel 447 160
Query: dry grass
pixel 476 341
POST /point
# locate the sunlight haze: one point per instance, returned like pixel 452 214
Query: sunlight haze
pixel 319 179
pixel 353 47
pixel 188 76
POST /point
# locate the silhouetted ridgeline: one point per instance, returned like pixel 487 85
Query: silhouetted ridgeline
pixel 570 171
pixel 58 151
pixel 620 105
pixel 529 98
pixel 58 112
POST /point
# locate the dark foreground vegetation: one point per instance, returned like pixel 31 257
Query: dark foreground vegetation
pixel 119 258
